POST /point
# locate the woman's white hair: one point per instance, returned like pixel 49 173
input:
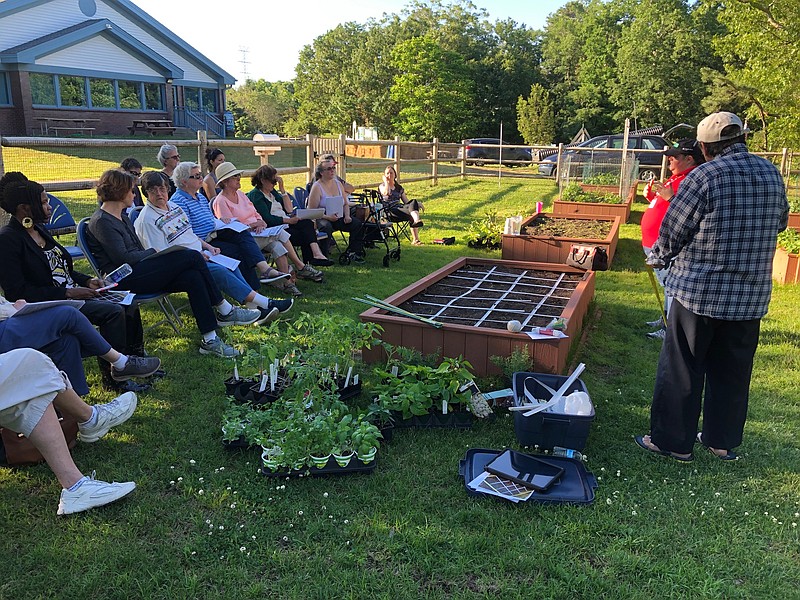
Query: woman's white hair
pixel 181 173
pixel 163 151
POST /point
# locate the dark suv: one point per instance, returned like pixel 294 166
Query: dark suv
pixel 649 162
pixel 480 155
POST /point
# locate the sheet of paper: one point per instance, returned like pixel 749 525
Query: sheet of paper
pixel 123 298
pixel 234 225
pixel 32 307
pixel 221 259
pixel 334 206
pixel 550 334
pixel 270 231
pixel 310 213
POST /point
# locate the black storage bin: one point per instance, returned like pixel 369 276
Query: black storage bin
pixel 548 429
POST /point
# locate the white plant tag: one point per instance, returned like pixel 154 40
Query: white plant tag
pixel 394 371
pixel 355 379
pixel 444 407
pixel 235 371
pixel 263 385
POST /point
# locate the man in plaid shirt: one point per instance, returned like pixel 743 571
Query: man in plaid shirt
pixel 718 239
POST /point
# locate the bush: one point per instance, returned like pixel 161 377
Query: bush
pixel 486 233
pixel 789 240
pixel 575 193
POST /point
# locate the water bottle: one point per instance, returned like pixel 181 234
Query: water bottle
pixel 567 452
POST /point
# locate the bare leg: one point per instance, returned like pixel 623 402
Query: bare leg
pixel 282 263
pixel 293 256
pixel 111 356
pixel 70 403
pixel 316 251
pixel 49 440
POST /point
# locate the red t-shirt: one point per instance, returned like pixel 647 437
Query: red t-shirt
pixel 652 217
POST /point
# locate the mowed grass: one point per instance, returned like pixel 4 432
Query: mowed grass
pixel 204 524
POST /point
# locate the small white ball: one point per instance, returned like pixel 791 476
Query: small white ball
pixel 514 326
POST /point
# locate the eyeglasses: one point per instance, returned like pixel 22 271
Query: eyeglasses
pixel 135 173
pixel 196 176
pixel 176 157
pixel 329 169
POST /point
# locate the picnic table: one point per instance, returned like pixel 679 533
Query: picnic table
pixel 66 124
pixel 152 126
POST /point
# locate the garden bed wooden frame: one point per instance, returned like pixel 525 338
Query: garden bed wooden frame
pixel 794 220
pixel 478 344
pixel 785 267
pixel 623 210
pixel 548 249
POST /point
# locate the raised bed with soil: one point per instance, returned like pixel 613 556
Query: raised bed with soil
pixel 785 267
pixel 548 238
pixel 621 210
pixel 475 298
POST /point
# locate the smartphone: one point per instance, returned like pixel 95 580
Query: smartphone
pixel 118 274
pixel 107 287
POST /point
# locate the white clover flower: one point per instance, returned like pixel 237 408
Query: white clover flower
pixel 172 466
pixel 191 462
pixel 242 549
pixel 608 501
pixel 221 527
pixel 172 482
pixel 208 521
pixel 746 514
pixel 254 537
pixel 200 492
pixel 222 468
pixel 721 509
pixel 346 521
pixel 233 505
pixel 347 542
pixel 180 478
pixel 325 495
pixel 300 512
pixel 794 524
pixel 200 479
pixel 717 494
pixel 285 538
pixel 702 512
pixel 241 526
pixel 633 512
pixel 193 552
pixel 291 525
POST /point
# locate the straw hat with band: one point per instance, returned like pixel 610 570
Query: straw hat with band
pixel 225 171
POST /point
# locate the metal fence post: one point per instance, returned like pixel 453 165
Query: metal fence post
pixel 342 152
pixel 397 155
pixel 435 165
pixel 310 163
pixel 463 159
pixel 558 160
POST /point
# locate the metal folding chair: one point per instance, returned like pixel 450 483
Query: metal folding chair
pixel 171 316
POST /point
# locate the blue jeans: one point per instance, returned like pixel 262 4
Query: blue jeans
pixel 230 282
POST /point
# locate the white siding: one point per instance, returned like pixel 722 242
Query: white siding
pixel 55 15
pixel 101 54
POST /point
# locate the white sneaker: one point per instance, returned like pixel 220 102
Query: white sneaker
pixel 658 334
pixel 238 316
pixel 109 415
pixel 659 323
pixel 91 494
pixel 218 348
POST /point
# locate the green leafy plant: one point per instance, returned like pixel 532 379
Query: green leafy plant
pixel 365 436
pixel 789 240
pixel 486 232
pixel 602 179
pixel 575 193
pixel 794 204
pixel 520 360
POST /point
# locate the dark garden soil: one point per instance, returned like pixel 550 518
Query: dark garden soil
pixel 489 296
pixel 570 228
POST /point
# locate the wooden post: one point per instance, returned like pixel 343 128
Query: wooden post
pixel 310 163
pixel 784 171
pixel 202 137
pixel 463 159
pixel 397 156
pixel 624 161
pixel 4 216
pixel 435 164
pixel 558 161
pixel 342 154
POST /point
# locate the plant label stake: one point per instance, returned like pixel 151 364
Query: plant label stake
pixel 355 379
pixel 263 384
pixel 394 371
pixel 235 371
pixel 347 379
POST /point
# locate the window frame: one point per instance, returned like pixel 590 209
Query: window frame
pixel 5 90
pixel 140 93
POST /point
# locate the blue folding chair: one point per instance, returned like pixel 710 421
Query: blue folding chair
pixel 171 316
pixel 62 223
pixel 300 200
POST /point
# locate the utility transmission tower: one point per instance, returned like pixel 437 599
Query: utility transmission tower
pixel 245 73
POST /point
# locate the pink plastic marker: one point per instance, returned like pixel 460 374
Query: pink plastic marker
pixel 539 207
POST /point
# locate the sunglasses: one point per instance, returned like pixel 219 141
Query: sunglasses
pixel 135 173
pixel 176 157
pixel 329 169
pixel 196 176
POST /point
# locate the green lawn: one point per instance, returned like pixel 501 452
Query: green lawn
pixel 204 524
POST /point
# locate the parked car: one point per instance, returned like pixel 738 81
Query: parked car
pixel 649 162
pixel 480 155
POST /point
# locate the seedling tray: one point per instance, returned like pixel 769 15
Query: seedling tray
pixel 331 468
pixel 575 486
pixel 453 420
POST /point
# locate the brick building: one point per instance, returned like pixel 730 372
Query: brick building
pixel 104 60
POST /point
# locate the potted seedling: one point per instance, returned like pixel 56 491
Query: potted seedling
pixel 364 439
pixel 342 449
pixel 321 432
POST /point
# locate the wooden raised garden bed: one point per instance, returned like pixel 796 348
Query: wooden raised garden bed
pixel 785 267
pixel 622 210
pixel 475 298
pixel 794 220
pixel 554 249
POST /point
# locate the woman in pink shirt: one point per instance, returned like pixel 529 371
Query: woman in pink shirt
pixel 231 203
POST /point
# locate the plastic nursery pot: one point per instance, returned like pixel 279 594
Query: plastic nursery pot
pixel 231 384
pixel 369 456
pixel 320 462
pixel 343 459
pixel 270 461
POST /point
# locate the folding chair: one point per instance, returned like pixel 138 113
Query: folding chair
pixel 300 200
pixel 171 316
pixel 62 223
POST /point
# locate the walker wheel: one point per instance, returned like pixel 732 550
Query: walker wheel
pixel 386 260
pixel 344 259
pixel 396 254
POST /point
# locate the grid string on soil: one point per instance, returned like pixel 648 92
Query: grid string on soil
pixel 490 296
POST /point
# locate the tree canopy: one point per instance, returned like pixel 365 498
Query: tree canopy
pixel 442 69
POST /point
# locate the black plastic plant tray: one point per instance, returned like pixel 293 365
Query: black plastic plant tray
pixel 355 466
pixel 456 420
pixel 237 444
pixel 575 486
pixel 351 391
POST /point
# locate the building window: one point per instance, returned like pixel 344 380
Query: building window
pixel 5 93
pixel 129 95
pixel 43 89
pixel 153 96
pixel 200 98
pixel 72 90
pixel 102 93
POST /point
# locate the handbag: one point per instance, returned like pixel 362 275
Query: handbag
pixel 18 451
pixel 588 257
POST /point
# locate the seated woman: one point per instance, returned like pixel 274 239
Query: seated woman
pixel 275 208
pixel 328 193
pixel 29 386
pixel 214 158
pixel 65 335
pixel 37 268
pixel 231 203
pixel 162 224
pixel 133 168
pixel 169 157
pixel 235 244
pixel 399 207
pixel 113 242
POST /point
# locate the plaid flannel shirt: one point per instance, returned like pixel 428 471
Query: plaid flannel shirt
pixel 719 236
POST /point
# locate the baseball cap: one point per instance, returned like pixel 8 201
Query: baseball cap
pixel 710 128
pixel 689 147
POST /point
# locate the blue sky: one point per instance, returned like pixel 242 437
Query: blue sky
pixel 273 32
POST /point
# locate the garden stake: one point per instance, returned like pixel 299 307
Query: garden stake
pixel 653 282
pixel 375 303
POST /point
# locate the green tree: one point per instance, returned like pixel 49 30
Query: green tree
pixel 262 106
pixel 433 91
pixel 535 116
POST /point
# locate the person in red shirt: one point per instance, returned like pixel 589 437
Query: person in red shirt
pixel 682 158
